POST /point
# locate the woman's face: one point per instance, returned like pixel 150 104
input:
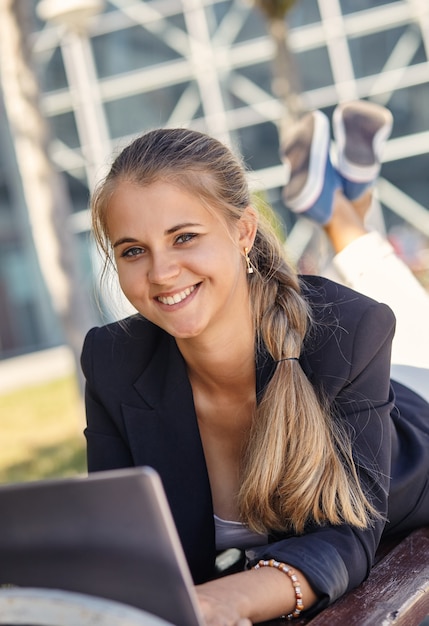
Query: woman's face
pixel 178 263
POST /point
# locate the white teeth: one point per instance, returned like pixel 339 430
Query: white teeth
pixel 178 297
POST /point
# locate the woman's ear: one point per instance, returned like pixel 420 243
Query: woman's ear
pixel 247 227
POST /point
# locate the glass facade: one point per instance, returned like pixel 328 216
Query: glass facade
pixel 206 64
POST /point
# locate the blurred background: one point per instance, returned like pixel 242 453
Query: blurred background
pixel 80 78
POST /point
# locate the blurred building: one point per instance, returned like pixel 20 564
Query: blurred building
pixel 206 64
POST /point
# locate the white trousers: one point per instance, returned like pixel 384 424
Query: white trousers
pixel 369 265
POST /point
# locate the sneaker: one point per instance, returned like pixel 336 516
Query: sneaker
pixel 311 178
pixel 361 130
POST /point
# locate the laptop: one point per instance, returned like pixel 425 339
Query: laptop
pixel 110 535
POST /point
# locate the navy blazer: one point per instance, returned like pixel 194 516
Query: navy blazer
pixel 140 411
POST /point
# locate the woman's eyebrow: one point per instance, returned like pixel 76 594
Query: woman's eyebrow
pixel 124 240
pixel 173 229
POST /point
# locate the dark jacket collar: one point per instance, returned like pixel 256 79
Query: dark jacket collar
pixel 166 377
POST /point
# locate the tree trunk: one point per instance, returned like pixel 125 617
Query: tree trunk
pixel 45 190
pixel 285 82
pixel 285 78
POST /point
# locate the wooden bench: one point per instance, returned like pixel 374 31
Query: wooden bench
pixel 396 591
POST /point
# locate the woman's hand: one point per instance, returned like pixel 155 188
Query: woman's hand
pixel 218 606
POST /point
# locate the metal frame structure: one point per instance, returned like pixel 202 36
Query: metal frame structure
pixel 213 73
pixel 209 61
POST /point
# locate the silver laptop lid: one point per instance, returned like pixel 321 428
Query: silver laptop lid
pixel 110 535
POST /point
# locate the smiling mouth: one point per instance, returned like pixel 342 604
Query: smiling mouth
pixel 178 297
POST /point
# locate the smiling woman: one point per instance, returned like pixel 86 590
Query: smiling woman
pixel 262 398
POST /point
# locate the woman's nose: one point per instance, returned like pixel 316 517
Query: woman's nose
pixel 163 268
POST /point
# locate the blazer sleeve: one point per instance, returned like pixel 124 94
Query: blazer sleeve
pixel 337 558
pixel 107 448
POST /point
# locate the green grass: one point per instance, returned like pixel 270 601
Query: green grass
pixel 41 432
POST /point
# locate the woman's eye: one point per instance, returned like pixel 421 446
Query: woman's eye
pixel 132 252
pixel 185 238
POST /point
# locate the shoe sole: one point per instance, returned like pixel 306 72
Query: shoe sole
pixel 360 131
pixel 309 185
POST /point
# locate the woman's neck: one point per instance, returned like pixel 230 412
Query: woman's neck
pixel 222 361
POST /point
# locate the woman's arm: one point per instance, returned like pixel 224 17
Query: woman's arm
pixel 254 595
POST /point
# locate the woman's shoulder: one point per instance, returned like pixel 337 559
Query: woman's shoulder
pixel 348 328
pixel 321 290
pixel 332 301
pixel 123 343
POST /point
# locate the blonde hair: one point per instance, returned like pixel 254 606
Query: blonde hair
pixel 297 464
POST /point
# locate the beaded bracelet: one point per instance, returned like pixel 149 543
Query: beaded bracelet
pixel 295 582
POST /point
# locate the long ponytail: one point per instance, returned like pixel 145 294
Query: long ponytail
pixel 297 466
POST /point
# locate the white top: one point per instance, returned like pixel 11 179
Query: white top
pixel 236 535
